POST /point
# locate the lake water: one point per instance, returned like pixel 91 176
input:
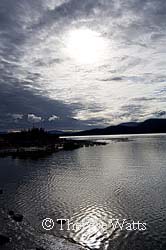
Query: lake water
pixel 92 187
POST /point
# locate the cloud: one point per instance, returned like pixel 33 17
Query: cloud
pixel 17 102
pixel 53 118
pixel 17 117
pixel 37 77
pixel 34 119
pixel 159 114
pixel 118 78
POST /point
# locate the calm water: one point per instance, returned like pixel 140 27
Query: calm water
pixel 122 180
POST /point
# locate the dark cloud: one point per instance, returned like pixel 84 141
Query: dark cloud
pixel 28 107
pixel 160 114
pixel 132 112
pixel 118 78
pixel 142 99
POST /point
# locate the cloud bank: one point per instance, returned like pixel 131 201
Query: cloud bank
pixel 38 77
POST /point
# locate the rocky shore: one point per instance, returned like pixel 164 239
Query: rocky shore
pixel 18 234
pixel 38 152
pixel 37 143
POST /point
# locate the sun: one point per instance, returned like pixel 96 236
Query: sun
pixel 85 46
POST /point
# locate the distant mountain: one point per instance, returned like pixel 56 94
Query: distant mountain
pixel 148 126
pixel 130 124
pixel 56 132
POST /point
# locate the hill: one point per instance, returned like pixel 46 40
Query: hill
pixel 148 126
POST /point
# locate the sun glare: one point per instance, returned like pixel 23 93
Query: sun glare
pixel 85 46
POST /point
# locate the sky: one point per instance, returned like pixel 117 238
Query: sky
pixel 78 64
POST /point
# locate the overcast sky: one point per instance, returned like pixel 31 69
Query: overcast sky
pixel 74 64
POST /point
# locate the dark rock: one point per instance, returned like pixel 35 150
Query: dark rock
pixel 17 217
pixel 11 213
pixel 40 248
pixel 1 191
pixel 4 239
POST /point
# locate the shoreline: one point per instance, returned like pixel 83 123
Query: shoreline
pixel 20 235
pixel 45 150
